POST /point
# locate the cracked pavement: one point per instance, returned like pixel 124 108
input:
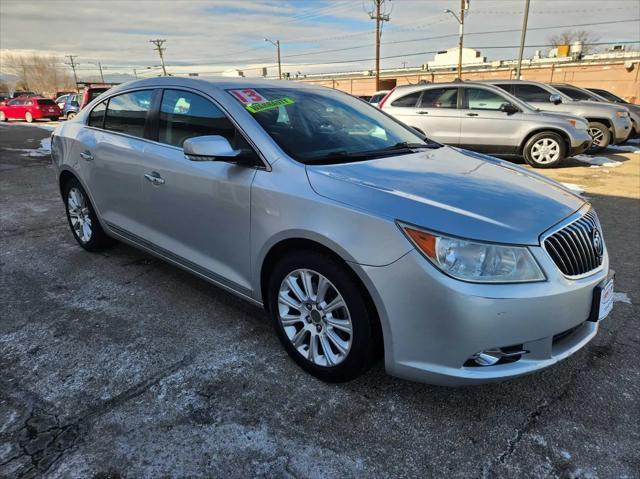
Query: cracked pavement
pixel 118 365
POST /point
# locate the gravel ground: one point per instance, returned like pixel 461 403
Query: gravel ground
pixel 119 365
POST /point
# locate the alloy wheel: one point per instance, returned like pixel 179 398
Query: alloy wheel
pixel 597 136
pixel 79 215
pixel 545 150
pixel 315 317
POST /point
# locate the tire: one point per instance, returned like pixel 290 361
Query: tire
pixel 545 150
pixel 3 116
pixel 601 134
pixel 28 117
pixel 71 115
pixel 82 218
pixel 350 354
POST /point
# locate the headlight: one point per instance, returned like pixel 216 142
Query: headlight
pixel 622 114
pixel 475 261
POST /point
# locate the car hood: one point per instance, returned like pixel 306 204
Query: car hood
pixel 452 191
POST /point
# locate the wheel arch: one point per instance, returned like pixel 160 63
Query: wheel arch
pixel 559 131
pixel 604 121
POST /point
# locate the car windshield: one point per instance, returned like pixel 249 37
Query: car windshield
pixel 324 127
pixel 575 93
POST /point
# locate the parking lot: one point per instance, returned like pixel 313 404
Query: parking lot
pixel 120 365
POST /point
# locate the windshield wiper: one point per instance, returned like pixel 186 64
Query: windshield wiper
pixel 342 156
pixel 413 146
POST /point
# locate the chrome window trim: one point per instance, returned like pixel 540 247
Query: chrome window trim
pixel 564 224
pixel 266 165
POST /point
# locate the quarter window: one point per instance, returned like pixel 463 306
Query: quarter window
pixel 127 113
pixel 185 115
pixel 96 117
pixel 439 98
pixel 532 93
pixel 481 99
pixel 408 101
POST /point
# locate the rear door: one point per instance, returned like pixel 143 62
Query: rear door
pixel 111 154
pixel 484 127
pixel 434 111
pixel 198 211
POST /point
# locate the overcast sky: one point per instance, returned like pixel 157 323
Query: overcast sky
pixel 213 36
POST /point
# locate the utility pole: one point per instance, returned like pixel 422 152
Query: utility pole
pixel 158 43
pixel 522 37
pixel 277 45
pixel 101 74
pixel 379 17
pixel 73 66
pixel 464 6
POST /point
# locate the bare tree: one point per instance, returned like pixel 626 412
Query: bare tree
pixel 37 72
pixel 570 36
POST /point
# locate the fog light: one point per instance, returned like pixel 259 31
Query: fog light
pixel 491 357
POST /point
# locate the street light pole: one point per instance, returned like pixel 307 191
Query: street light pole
pixel 277 45
pixel 522 38
pixel 464 6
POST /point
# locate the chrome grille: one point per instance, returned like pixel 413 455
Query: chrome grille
pixel 578 247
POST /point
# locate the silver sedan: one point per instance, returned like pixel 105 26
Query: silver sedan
pixel 358 235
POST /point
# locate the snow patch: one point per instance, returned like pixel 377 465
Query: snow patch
pixel 597 161
pixel 625 148
pixel 577 189
pixel 621 298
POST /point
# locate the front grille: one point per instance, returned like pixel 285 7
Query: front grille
pixel 577 248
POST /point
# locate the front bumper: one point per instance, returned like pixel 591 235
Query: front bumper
pixel 433 324
pixel 621 129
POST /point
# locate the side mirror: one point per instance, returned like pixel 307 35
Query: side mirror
pixel 509 109
pixel 555 99
pixel 209 148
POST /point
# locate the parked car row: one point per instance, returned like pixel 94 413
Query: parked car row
pixel 534 120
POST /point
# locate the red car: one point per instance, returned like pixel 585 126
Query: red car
pixel 29 109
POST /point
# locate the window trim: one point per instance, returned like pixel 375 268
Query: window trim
pixel 266 166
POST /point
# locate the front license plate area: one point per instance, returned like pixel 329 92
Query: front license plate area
pixel 602 299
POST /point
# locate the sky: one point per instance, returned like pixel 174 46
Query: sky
pixel 211 37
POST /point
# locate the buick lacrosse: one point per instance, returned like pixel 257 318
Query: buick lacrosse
pixel 357 234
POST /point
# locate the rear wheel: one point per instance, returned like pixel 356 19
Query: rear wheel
pixel 82 218
pixel 71 115
pixel 545 150
pixel 600 136
pixel 28 117
pixel 321 317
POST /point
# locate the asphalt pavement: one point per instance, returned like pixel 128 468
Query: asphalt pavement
pixel 118 365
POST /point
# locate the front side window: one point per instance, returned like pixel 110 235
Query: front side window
pixel 408 101
pixel 532 93
pixel 127 113
pixel 186 115
pixel 96 117
pixel 481 99
pixel 574 93
pixel 315 126
pixel 440 98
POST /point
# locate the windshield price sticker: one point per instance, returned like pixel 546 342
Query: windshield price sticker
pixel 248 96
pixel 258 107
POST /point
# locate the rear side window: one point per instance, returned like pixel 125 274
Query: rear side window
pixel 408 101
pixel 127 113
pixel 439 98
pixel 96 117
pixel 532 93
pixel 504 87
pixel 185 115
pixel 46 102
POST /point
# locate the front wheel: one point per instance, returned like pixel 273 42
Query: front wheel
pixel 545 150
pixel 321 316
pixel 28 117
pixel 82 218
pixel 600 136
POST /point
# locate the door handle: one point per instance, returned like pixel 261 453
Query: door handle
pixel 422 112
pixel 472 114
pixel 86 155
pixel 154 178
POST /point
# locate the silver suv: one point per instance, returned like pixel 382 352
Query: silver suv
pixel 484 118
pixel 607 123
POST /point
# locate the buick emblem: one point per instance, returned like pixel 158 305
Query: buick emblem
pixel 596 240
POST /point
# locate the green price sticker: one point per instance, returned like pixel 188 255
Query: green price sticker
pixel 267 105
